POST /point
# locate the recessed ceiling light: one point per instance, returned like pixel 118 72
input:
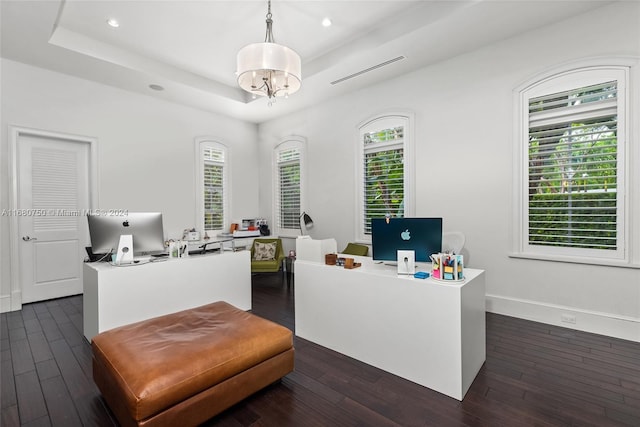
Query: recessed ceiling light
pixel 113 23
pixel 156 87
pixel 326 22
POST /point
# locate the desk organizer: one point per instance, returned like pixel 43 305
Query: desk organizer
pixel 447 267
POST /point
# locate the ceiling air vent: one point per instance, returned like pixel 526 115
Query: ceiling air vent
pixel 366 70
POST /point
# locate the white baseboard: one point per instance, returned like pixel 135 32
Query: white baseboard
pixel 623 327
pixel 11 302
pixel 5 303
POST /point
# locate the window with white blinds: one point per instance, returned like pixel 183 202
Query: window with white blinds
pixel 383 172
pixel 288 194
pixel 288 201
pixel 574 189
pixel 213 186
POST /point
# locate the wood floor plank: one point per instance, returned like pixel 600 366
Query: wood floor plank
pixel 39 422
pixel 83 355
pixel 47 369
pixel 630 384
pixel 49 326
pixel 21 356
pixel 495 412
pixel 31 404
pixel 72 336
pixel 369 415
pixel 19 333
pixel 10 416
pixel 282 408
pixel 4 328
pixel 14 320
pixel 32 325
pixel 76 381
pixel 39 345
pixel 62 411
pixel 7 382
pixel 316 387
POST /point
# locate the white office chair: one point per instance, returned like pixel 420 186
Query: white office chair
pixel 453 242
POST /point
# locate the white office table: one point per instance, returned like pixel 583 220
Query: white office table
pixel 429 332
pixel 116 296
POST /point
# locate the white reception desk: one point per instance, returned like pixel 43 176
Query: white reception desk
pixel 116 296
pixel 429 332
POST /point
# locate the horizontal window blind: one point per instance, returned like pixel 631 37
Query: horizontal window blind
pixel 393 135
pixel 383 180
pixel 288 200
pixel 213 188
pixel 211 154
pixel 573 168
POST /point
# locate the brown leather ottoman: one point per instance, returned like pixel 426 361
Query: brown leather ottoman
pixel 186 367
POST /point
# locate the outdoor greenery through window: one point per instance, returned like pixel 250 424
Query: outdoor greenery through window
pixel 288 185
pixel 288 200
pixel 214 191
pixel 383 172
pixel 573 200
pixel 384 175
pixel 574 171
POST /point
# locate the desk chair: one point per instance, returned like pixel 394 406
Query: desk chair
pixel 356 249
pixel 265 257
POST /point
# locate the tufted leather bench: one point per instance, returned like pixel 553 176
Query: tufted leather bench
pixel 186 367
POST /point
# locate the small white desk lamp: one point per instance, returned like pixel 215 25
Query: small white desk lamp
pixel 308 222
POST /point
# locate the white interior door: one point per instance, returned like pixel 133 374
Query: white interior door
pixel 53 199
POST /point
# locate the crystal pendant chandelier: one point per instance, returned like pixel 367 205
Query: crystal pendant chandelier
pixel 269 69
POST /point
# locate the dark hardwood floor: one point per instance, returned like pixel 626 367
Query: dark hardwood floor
pixel 535 375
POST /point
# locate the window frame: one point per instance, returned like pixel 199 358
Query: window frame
pixel 573 76
pixel 202 143
pixel 372 124
pixel 285 144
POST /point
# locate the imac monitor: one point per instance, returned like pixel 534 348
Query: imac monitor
pixel 145 227
pixel 421 235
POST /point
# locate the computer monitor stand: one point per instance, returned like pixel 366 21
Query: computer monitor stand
pixel 125 249
pixel 406 262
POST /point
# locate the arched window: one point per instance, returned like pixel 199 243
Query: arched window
pixel 288 196
pixel 570 163
pixel 385 172
pixel 213 187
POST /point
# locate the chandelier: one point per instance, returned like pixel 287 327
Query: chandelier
pixel 269 69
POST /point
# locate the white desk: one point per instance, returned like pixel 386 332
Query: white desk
pixel 428 332
pixel 116 296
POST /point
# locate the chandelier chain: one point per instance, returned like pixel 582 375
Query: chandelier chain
pixel 268 38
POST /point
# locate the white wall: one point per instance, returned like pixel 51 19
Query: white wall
pixel 145 146
pixel 464 121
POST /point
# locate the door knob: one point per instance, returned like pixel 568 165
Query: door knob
pixel 28 239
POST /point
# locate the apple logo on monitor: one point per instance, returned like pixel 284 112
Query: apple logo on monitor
pixel 405 235
pixel 125 223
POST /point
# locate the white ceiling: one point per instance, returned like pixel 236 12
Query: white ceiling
pixel 190 47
